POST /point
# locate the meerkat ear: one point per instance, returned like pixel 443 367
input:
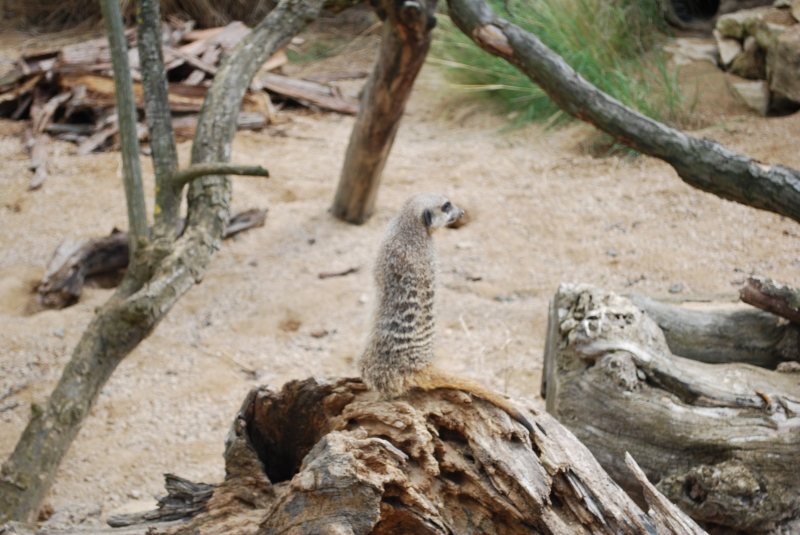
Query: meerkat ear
pixel 427 215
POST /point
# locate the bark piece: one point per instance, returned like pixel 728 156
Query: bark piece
pixel 667 514
pixel 181 98
pixel 186 125
pixel 716 438
pixel 405 41
pixel 775 297
pixel 436 462
pixel 308 92
pixel 184 500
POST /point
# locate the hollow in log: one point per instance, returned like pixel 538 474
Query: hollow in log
pixel 328 457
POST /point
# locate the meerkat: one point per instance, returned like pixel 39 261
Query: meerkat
pixel 399 352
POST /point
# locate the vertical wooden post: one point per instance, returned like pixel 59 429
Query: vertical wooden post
pixel 404 44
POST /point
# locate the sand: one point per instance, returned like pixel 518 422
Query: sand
pixel 542 211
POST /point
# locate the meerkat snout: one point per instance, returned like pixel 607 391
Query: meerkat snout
pixel 441 215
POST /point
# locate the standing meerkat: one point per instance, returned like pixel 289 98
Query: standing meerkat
pixel 399 352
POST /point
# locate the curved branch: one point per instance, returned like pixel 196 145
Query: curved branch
pixel 184 176
pixel 701 163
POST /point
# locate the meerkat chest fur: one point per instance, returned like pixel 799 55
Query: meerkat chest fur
pixel 402 337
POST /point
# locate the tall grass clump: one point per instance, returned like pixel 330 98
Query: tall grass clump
pixel 611 43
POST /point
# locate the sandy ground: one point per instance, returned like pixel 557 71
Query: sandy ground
pixel 543 211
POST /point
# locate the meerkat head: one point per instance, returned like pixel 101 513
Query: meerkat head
pixel 435 210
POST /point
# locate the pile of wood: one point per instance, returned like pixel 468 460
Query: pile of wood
pixel 68 92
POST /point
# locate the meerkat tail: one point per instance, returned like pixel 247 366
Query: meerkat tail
pixel 431 378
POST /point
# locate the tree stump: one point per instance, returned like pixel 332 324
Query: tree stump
pixel 720 440
pixel 329 458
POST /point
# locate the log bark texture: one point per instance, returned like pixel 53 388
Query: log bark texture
pixel 326 457
pixel 722 441
pixel 701 163
pixel 404 45
pixel 746 336
pixel 775 297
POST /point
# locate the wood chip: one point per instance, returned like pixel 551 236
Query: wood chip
pixel 39 157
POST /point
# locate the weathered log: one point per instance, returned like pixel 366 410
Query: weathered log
pixel 775 297
pixel 719 440
pixel 74 260
pixel 327 457
pixel 404 45
pixel 746 336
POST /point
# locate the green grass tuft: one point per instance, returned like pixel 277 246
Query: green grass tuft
pixel 611 43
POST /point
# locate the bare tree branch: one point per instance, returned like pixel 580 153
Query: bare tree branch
pixel 184 176
pixel 126 117
pixel 159 119
pixel 701 163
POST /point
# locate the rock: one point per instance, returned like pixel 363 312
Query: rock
pixel 688 49
pixel 755 95
pixel 783 64
pixel 676 288
pixel 782 3
pixel 795 10
pixel 752 62
pixel 769 27
pixel 728 48
pixel 733 24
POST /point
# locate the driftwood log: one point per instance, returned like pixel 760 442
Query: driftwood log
pixel 74 260
pixel 326 457
pixel 720 440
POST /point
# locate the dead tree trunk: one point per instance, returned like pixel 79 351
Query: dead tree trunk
pixel 720 440
pixel 326 457
pixel 404 45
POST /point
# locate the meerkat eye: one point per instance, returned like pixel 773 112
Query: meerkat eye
pixel 446 206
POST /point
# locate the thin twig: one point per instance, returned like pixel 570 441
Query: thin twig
pixel 339 273
pixel 9 407
pixel 13 390
pixel 184 176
